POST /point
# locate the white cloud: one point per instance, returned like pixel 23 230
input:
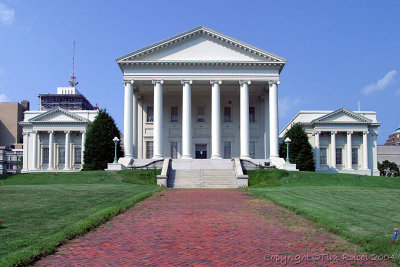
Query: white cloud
pixel 381 84
pixel 7 14
pixel 4 98
pixel 286 104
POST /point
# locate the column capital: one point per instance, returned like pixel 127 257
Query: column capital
pixel 83 131
pixel 186 81
pixel 333 132
pixel 50 132
pixel 317 132
pixel 215 81
pixel 34 132
pixel 277 82
pixel 349 132
pixel 365 132
pixel 67 131
pixel 241 82
pixel 157 81
pixel 25 133
pixel 125 81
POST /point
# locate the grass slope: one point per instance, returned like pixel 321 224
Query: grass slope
pixel 41 211
pixel 363 209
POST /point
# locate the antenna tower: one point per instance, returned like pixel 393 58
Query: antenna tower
pixel 73 81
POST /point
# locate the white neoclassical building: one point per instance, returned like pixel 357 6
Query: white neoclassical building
pixel 201 95
pixel 54 140
pixel 344 141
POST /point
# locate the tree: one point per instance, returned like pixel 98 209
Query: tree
pixel 99 145
pixel 300 150
pixel 387 168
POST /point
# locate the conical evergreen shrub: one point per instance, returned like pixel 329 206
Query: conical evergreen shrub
pixel 300 150
pixel 99 145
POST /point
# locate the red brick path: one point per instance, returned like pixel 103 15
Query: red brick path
pixel 199 227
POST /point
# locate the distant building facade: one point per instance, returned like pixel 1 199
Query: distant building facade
pixel 394 138
pixel 54 137
pixel 10 160
pixel 68 98
pixel 390 153
pixel 11 113
pixel 344 141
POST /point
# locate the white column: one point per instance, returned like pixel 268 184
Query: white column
pixel 25 152
pixel 273 119
pixel 266 127
pixel 67 152
pixel 216 120
pixel 333 150
pixel 244 119
pixel 83 148
pixel 365 150
pixel 35 151
pixel 128 118
pixel 134 124
pixel 51 152
pixel 186 119
pixel 349 156
pixel 158 124
pixel 317 153
pixel 374 152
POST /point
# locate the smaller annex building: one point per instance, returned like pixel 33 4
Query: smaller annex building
pixel 54 140
pixel 343 141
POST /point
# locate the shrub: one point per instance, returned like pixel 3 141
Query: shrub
pixel 300 150
pixel 99 145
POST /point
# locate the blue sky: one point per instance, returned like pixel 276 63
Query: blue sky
pixel 338 52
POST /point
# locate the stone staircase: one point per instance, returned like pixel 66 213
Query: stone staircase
pixel 202 178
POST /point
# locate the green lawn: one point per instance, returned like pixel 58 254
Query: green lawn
pixel 363 209
pixel 40 211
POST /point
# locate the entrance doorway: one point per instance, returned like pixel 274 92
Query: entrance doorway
pixel 201 151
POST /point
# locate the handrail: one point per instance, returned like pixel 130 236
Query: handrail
pixel 144 166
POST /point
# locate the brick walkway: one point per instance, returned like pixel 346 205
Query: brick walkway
pixel 203 228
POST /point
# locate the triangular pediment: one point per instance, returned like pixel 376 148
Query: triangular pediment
pixel 342 116
pixel 201 45
pixel 57 115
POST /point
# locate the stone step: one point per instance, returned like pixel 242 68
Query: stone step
pixel 202 178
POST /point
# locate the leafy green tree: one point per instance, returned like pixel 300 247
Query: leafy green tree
pixel 300 150
pixel 99 145
pixel 387 168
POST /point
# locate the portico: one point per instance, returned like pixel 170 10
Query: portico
pixel 201 91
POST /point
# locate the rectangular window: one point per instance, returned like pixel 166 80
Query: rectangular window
pixel 150 114
pixel 78 155
pixel 227 150
pixel 252 149
pixel 354 156
pixel 339 156
pixel 200 114
pixel 227 114
pixel 252 114
pixel 45 158
pixel 149 149
pixel 174 150
pixel 174 114
pixel 61 155
pixel 323 156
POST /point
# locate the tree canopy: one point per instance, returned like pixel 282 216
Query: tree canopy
pixel 99 145
pixel 300 150
pixel 387 168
